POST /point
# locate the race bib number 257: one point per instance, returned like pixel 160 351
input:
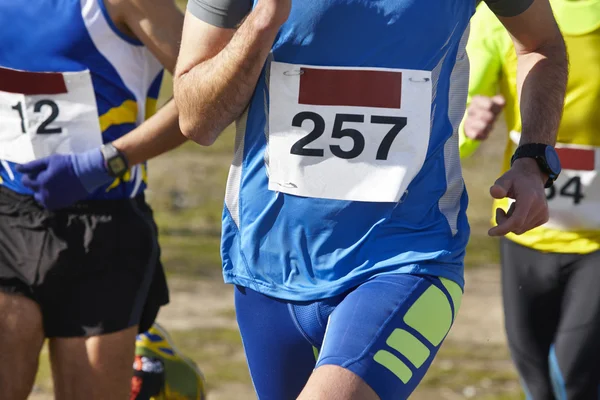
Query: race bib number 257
pixel 43 113
pixel 357 134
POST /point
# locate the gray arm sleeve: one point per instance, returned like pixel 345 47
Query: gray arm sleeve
pixel 508 8
pixel 221 13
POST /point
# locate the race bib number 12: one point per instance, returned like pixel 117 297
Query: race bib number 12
pixel 356 134
pixel 46 113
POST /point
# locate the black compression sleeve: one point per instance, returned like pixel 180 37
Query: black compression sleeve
pixel 221 13
pixel 508 8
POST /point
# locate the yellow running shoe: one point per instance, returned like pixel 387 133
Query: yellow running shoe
pixel 159 364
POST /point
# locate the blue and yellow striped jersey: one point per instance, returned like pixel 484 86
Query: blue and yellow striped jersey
pixel 79 35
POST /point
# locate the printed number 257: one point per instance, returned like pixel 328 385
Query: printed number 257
pixel 43 129
pixel 338 132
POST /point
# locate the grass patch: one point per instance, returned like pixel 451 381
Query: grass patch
pixel 480 171
pixel 43 379
pixel 191 256
pixel 482 250
pixel 482 372
pixel 218 353
pixel 230 314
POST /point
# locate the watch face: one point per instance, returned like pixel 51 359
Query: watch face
pixel 117 165
pixel 552 160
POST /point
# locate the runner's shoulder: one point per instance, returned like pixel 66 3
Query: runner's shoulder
pixel 229 13
pixel 121 12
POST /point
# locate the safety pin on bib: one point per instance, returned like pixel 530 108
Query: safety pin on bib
pixel 423 80
pixel 294 72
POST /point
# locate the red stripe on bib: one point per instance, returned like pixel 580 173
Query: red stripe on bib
pixel 354 88
pixel 577 159
pixel 31 83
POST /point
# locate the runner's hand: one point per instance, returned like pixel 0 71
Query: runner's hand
pixel 524 183
pixel 61 180
pixel 481 116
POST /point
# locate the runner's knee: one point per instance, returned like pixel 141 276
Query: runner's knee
pixel 21 340
pixel 574 376
pixel 331 382
pixel 97 367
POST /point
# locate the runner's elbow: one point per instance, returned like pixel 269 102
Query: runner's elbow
pixel 193 129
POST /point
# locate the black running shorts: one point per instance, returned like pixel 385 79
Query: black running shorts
pixel 93 268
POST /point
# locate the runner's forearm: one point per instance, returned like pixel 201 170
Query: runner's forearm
pixel 156 136
pixel 212 94
pixel 542 81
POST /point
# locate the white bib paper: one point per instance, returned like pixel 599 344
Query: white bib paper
pixel 47 113
pixel 354 134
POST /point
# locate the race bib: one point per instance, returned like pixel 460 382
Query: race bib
pixel 46 113
pixel 347 133
pixel 574 199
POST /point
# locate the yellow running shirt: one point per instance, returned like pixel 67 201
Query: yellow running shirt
pixel 574 201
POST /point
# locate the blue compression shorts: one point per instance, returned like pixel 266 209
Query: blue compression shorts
pixel 387 331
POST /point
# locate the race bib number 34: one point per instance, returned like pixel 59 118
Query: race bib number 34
pixel 574 199
pixel 347 133
pixel 46 113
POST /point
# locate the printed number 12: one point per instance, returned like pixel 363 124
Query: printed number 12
pixel 43 129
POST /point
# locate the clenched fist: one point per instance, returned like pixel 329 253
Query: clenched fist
pixel 481 116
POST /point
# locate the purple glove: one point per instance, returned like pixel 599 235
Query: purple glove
pixel 60 180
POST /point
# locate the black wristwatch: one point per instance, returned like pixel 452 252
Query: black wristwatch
pixel 115 162
pixel 545 156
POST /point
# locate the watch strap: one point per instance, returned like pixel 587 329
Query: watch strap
pixel 537 151
pixel 530 150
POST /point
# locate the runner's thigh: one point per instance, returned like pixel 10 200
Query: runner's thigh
pixel 21 340
pixel 575 357
pixel 532 293
pixel 279 356
pixel 389 329
pixel 22 237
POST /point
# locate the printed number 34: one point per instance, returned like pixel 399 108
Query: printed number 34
pixel 573 188
pixel 43 129
pixel 299 148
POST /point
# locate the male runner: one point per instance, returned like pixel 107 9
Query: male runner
pixel 344 227
pixel 75 74
pixel 550 275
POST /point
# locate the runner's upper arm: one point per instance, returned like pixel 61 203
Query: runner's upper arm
pixel 156 23
pixel 530 23
pixel 209 26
